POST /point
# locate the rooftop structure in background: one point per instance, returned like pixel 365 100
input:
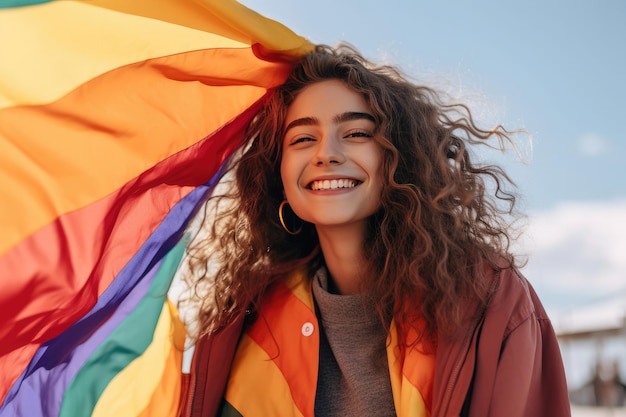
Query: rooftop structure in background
pixel 597 320
pixel 593 343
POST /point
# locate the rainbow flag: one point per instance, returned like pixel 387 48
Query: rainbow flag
pixel 116 117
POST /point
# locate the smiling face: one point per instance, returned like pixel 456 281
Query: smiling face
pixel 331 165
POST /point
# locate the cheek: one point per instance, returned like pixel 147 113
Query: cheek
pixel 378 172
pixel 376 165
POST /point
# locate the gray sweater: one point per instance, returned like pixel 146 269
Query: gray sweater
pixel 353 377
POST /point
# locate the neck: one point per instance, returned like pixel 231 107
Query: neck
pixel 342 247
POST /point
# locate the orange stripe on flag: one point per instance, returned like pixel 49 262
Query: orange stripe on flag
pixel 63 156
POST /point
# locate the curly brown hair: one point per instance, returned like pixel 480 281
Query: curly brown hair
pixel 441 214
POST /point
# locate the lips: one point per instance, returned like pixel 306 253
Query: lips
pixel 333 184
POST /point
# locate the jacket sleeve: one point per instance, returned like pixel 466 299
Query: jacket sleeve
pixel 522 374
pixel 530 380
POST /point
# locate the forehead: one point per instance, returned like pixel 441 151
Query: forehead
pixel 326 99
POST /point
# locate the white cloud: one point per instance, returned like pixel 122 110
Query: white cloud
pixel 592 145
pixel 577 252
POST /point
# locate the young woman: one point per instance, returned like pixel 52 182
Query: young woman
pixel 364 265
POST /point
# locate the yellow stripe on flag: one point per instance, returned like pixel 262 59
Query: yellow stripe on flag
pixel 148 386
pixel 57 46
pixel 227 17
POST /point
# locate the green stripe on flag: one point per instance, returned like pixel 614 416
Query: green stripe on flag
pixel 125 344
pixel 6 4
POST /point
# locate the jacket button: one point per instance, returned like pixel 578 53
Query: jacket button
pixel 307 329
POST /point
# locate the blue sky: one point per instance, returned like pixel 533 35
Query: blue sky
pixel 556 69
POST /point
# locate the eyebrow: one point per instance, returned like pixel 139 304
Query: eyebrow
pixel 340 118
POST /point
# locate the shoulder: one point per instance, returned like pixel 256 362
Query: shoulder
pixel 512 299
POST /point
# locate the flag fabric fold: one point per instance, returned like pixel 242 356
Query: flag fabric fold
pixel 116 119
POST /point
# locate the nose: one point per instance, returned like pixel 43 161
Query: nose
pixel 329 151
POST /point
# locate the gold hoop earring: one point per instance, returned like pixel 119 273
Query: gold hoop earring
pixel 282 219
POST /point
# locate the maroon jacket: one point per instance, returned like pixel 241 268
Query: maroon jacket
pixel 507 363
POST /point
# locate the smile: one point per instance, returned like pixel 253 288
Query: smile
pixel 333 184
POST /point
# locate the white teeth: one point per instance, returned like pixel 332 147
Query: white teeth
pixel 333 184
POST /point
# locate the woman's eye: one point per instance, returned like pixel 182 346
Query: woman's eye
pixel 359 134
pixel 301 139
